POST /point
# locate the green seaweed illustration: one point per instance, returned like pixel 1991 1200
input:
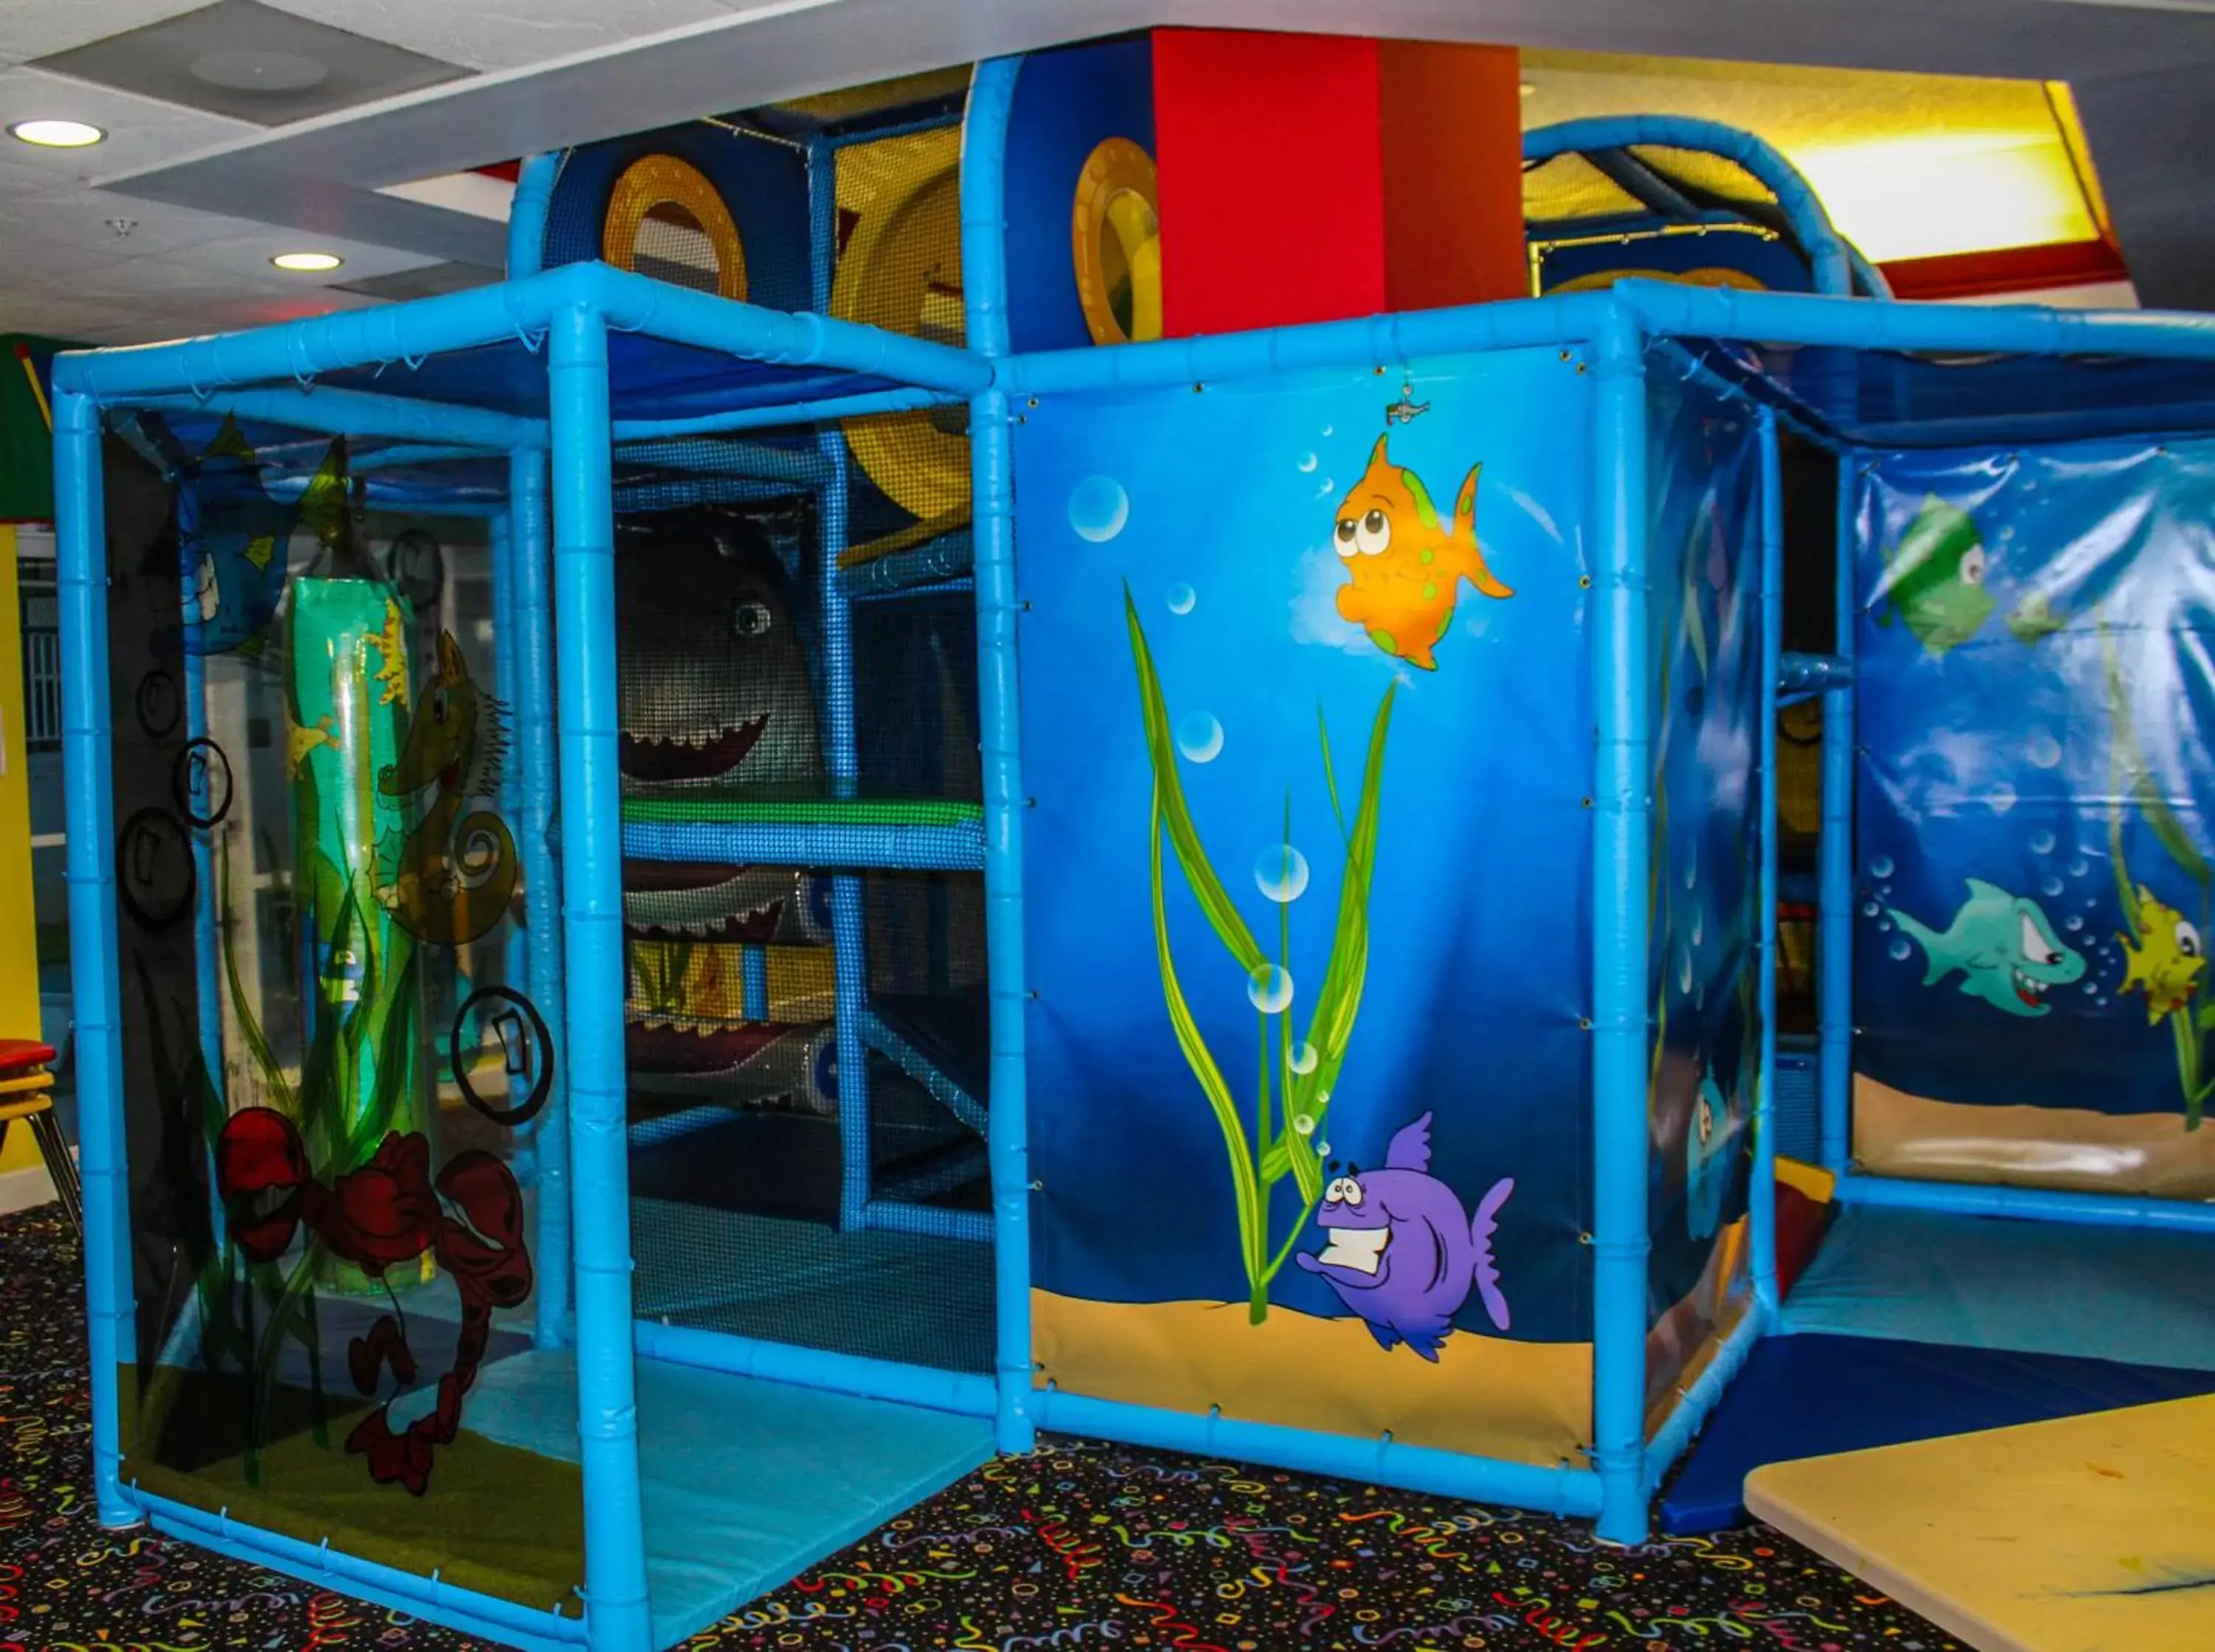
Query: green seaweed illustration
pixel 2131 780
pixel 1290 1102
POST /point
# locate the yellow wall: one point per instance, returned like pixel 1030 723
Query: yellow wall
pixel 19 927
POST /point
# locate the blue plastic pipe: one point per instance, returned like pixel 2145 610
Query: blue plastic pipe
pixel 2028 1203
pixel 88 796
pixel 992 475
pixel 960 1392
pixel 356 413
pixel 1381 1461
pixel 1826 250
pixel 530 643
pixel 1621 855
pixel 1834 850
pixel 426 1598
pixel 526 214
pixel 1761 1211
pixel 401 335
pixel 778 843
pixel 1696 1403
pixel 783 413
pixel 592 884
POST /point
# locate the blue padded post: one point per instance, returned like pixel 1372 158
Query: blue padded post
pixel 849 923
pixel 531 644
pixel 991 461
pixel 1761 1211
pixel 1834 870
pixel 526 214
pixel 89 792
pixel 591 880
pixel 1833 264
pixel 1621 855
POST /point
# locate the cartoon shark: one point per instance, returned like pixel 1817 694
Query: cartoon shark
pixel 1406 565
pixel 2006 950
pixel 1707 1164
pixel 712 679
pixel 1935 578
pixel 1402 1255
pixel 2166 961
pixel 1406 410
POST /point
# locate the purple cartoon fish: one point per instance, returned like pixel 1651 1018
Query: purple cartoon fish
pixel 1401 1253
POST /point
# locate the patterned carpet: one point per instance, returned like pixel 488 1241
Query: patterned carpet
pixel 1076 1547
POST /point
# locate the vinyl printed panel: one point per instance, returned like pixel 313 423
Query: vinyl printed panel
pixel 1307 730
pixel 2033 879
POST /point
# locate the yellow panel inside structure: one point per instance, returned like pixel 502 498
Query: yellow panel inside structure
pixel 1907 165
pixel 2052 1537
pixel 901 270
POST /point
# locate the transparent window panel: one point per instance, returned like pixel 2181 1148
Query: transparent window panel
pixel 332 1072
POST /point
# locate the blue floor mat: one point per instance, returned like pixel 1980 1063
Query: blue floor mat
pixel 746 1484
pixel 2025 1287
pixel 1810 1396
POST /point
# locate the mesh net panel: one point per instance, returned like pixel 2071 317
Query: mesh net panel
pixel 1569 187
pixel 748 1129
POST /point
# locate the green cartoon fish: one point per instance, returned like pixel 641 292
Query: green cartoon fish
pixel 1933 578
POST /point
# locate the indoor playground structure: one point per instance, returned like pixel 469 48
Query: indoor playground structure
pixel 879 805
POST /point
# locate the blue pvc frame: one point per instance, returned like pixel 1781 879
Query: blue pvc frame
pixel 561 602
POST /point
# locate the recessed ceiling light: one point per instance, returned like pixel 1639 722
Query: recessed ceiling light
pixel 57 134
pixel 307 263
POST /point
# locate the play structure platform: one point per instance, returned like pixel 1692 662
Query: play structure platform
pixel 2082 1533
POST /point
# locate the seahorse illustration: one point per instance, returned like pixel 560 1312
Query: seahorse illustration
pixel 456 872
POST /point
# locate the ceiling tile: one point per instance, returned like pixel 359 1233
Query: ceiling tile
pixel 508 36
pixel 252 62
pixel 88 219
pixel 141 132
pixel 31 28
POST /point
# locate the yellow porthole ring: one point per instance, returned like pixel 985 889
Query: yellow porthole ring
pixel 1115 240
pixel 901 271
pixel 663 180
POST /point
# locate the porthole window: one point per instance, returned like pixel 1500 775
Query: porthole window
pixel 1115 239
pixel 665 219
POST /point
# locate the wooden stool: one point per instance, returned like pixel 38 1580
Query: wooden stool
pixel 26 1092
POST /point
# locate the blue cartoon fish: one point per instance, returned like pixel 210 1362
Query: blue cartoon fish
pixel 236 562
pixel 1402 1254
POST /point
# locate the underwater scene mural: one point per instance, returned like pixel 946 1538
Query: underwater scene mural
pixel 1703 623
pixel 1307 884
pixel 332 1073
pixel 2033 880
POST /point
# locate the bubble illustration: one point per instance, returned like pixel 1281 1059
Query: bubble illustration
pixel 2049 887
pixel 1270 989
pixel 1303 1059
pixel 1098 508
pixel 1182 598
pixel 2072 923
pixel 2041 843
pixel 1882 866
pixel 1282 873
pixel 1870 908
pixel 1199 736
pixel 2078 867
pixel 2045 750
pixel 1302 1125
pixel 1900 947
pixel 1322 1149
pixel 2000 797
pixel 1308 461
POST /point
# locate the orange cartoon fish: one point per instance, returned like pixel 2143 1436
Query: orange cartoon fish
pixel 1405 564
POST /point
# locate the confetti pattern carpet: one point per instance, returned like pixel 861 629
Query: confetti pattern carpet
pixel 1076 1547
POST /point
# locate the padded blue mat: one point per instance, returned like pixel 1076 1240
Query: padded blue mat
pixel 2030 1287
pixel 746 1483
pixel 1809 1396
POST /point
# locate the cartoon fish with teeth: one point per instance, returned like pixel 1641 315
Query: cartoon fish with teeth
pixel 2166 961
pixel 1402 1254
pixel 2006 950
pixel 1405 563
